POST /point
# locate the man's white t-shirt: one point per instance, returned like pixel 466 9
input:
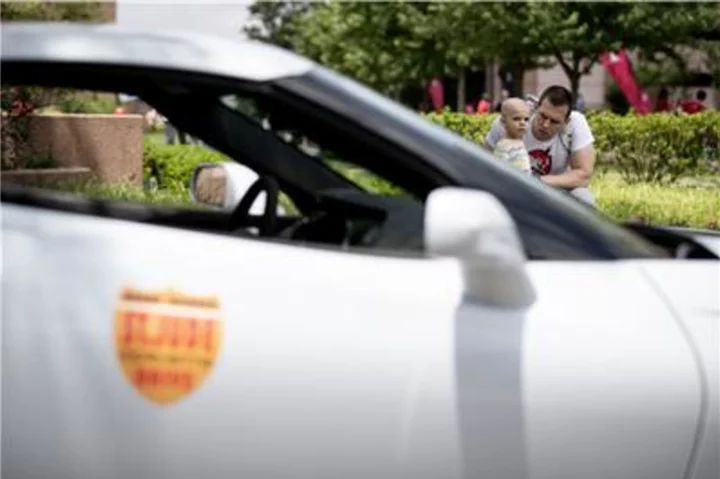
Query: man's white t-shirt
pixel 551 156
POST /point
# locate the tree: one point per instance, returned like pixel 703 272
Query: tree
pixel 576 34
pixel 476 33
pixel 573 35
pixel 705 37
pixel 450 32
pixel 711 60
pixel 392 45
pixel 375 43
pixel 275 22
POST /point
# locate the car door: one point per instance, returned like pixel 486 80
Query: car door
pixel 133 350
pixel 596 380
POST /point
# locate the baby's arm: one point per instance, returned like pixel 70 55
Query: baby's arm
pixel 520 158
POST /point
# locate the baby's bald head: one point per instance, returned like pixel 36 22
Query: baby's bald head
pixel 514 105
pixel 515 116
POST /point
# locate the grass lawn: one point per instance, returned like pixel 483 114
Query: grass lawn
pixel 695 202
pixel 131 193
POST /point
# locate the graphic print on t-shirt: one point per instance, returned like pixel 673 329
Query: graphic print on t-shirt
pixel 541 161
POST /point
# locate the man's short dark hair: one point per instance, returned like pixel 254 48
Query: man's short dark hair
pixel 701 95
pixel 558 96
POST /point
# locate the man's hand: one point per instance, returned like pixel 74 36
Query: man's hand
pixel 582 164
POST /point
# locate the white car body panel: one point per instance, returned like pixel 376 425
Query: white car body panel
pixel 613 387
pixel 337 364
pixel 301 385
pixel 174 50
pixel 699 308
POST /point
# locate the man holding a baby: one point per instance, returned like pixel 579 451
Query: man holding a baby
pixel 558 140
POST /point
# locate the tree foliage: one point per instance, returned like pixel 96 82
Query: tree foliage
pixel 52 11
pixel 376 43
pixel 274 22
pixel 575 35
pixel 394 44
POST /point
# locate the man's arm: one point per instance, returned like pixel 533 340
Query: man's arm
pixel 582 164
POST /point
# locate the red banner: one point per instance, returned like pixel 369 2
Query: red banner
pixel 620 68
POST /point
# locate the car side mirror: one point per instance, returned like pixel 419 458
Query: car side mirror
pixel 223 185
pixel 474 227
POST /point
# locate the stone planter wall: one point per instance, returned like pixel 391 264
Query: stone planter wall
pixel 110 146
pixel 46 177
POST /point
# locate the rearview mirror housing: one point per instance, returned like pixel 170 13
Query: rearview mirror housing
pixel 474 227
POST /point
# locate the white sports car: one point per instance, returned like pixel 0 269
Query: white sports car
pixel 480 324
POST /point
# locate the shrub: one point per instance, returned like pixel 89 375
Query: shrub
pixel 658 148
pixel 472 127
pixel 39 161
pixel 77 103
pixel 18 105
pixel 172 166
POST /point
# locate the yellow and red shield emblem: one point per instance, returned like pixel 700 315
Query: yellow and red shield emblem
pixel 167 342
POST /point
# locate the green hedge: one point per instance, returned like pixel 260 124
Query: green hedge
pixel 77 104
pixel 657 148
pixel 172 165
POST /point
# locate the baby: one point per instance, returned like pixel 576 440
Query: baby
pixel 515 118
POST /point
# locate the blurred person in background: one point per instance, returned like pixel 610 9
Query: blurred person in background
pixel 484 105
pixel 692 106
